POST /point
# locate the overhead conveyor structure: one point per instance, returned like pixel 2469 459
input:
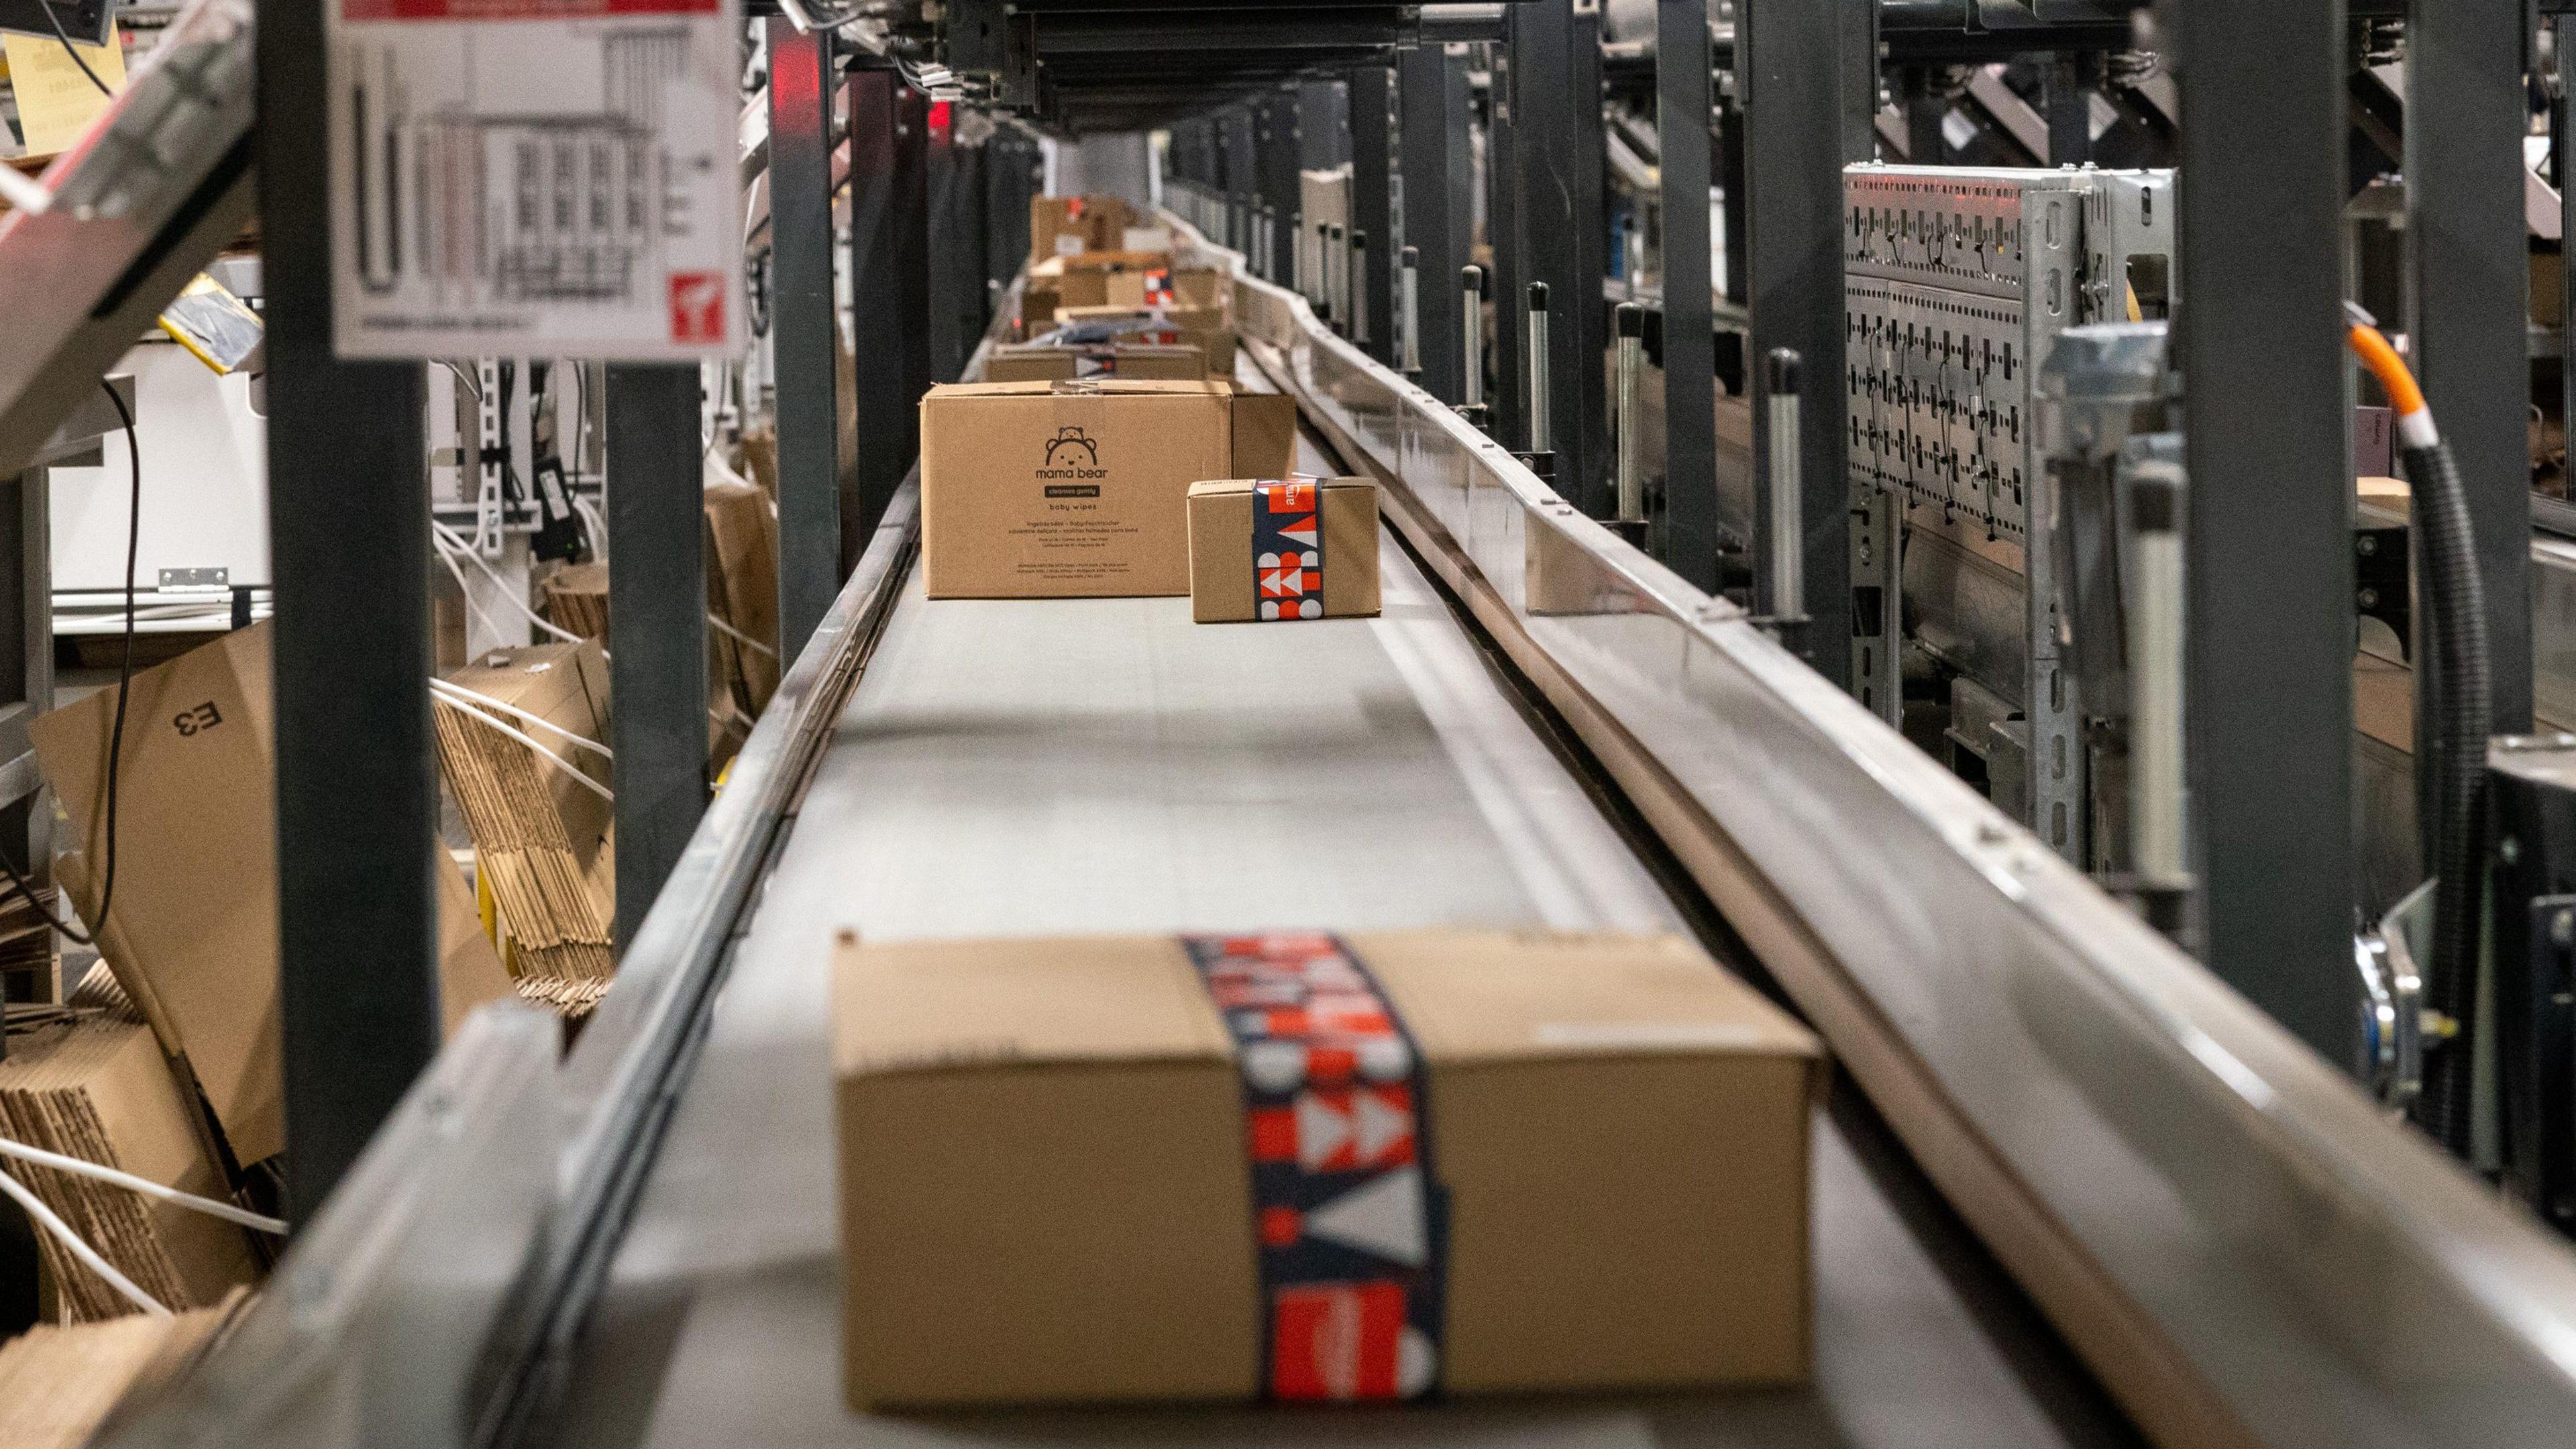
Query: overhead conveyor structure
pixel 2089 1166
pixel 2068 1190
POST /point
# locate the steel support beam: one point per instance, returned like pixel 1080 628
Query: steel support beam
pixel 1682 109
pixel 1791 70
pixel 806 350
pixel 1558 154
pixel 1439 208
pixel 1503 236
pixel 1276 157
pixel 1372 122
pixel 2468 248
pixel 657 626
pixel 357 786
pixel 888 292
pixel 2268 532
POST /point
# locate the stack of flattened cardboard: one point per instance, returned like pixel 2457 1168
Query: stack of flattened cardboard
pixel 93 1085
pixel 540 837
pixel 60 1385
pixel 30 961
pixel 192 933
pixel 577 599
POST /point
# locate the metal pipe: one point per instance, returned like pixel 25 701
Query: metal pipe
pixel 1542 434
pixel 2155 685
pixel 1630 362
pixel 1472 335
pixel 1408 302
pixel 1355 286
pixel 1788 527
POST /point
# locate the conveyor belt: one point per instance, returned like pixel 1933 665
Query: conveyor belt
pixel 1011 768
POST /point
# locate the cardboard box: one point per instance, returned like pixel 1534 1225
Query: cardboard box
pixel 742 589
pixel 1028 362
pixel 1234 579
pixel 576 598
pixel 541 839
pixel 1167 286
pixel 95 1086
pixel 1045 1195
pixel 193 936
pixel 1052 490
pixel 1071 225
pixel 1202 327
pixel 61 1385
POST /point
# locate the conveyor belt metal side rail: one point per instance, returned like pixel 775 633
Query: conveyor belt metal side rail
pixel 2174 1179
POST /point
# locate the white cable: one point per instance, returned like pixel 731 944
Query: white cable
pixel 742 638
pixel 449 539
pixel 467 594
pixel 567 766
pixel 25 192
pixel 473 696
pixel 594 526
pixel 82 1167
pixel 88 1255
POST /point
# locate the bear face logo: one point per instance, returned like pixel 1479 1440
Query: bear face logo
pixel 1067 441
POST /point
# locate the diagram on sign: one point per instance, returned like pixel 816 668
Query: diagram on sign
pixel 524 181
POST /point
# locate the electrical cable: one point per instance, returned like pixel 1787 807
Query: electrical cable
pixel 89 1258
pixel 83 1167
pixel 477 697
pixel 70 49
pixel 740 637
pixel 2456 745
pixel 567 766
pixel 452 544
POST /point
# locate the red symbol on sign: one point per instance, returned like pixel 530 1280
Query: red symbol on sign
pixel 697 307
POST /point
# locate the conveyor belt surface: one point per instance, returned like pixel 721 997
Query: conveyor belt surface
pixel 1017 768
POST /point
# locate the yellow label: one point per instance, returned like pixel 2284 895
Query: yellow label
pixel 56 102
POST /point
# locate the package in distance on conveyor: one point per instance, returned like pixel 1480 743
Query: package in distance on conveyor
pixel 1035 490
pixel 1298 1167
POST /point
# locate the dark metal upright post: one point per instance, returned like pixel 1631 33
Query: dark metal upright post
pixel 2268 527
pixel 1277 157
pixel 2468 243
pixel 887 261
pixel 657 626
pixel 912 258
pixel 357 789
pixel 803 332
pixel 1372 121
pixel 1564 232
pixel 1690 349
pixel 1790 70
pixel 1503 234
pixel 1438 207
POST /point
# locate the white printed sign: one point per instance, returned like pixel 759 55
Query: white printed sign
pixel 549 178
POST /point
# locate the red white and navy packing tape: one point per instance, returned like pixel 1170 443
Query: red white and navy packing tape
pixel 1288 549
pixel 1351 1224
